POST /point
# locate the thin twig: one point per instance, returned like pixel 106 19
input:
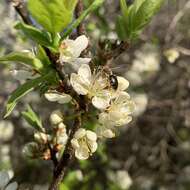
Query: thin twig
pixel 114 53
pixel 20 7
pixel 78 12
pixel 175 20
pixel 68 154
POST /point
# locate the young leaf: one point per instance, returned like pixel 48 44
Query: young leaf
pixel 41 37
pixel 70 4
pixel 53 15
pixel 31 117
pixel 42 56
pixel 23 57
pixel 120 28
pixel 22 91
pixel 124 8
pixel 146 10
pixel 137 16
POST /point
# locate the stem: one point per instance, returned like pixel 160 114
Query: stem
pixel 76 23
pixel 68 154
pixel 20 7
pixel 78 12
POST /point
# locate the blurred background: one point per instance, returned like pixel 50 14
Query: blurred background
pixel 153 151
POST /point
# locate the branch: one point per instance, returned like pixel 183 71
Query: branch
pixel 68 154
pixel 113 54
pixel 20 7
pixel 78 12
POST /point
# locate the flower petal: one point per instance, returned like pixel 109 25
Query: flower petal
pixel 82 153
pixel 123 121
pixel 78 85
pixel 62 139
pixel 60 98
pixel 85 74
pixel 93 146
pixel 101 102
pixel 56 117
pixel 75 144
pixel 80 133
pixel 123 84
pixel 91 135
pixel 108 133
pixel 80 44
pixel 122 97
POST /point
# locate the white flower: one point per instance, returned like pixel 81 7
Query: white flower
pixel 70 50
pixel 61 98
pixel 123 84
pixel 172 55
pixel 106 131
pixel 84 143
pixel 94 86
pixel 117 114
pixel 4 180
pixel 56 117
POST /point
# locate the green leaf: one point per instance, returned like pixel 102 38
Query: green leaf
pixel 147 9
pixel 70 4
pixel 91 8
pixel 23 57
pixel 42 56
pixel 53 15
pixel 22 91
pixel 124 8
pixel 136 17
pixel 32 118
pixel 41 37
pixel 63 187
pixel 120 28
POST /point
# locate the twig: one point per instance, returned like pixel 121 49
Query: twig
pixel 113 54
pixel 175 20
pixel 78 12
pixel 20 7
pixel 68 154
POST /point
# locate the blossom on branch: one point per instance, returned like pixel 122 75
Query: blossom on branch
pixel 117 114
pixel 84 143
pixel 92 85
pixel 70 50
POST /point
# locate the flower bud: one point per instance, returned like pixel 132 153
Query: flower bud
pixel 61 129
pixel 56 117
pixel 41 138
pixel 46 154
pixel 30 149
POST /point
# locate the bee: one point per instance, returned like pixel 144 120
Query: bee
pixel 113 81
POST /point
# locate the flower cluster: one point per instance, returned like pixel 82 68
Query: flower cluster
pixel 44 142
pixel 105 91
